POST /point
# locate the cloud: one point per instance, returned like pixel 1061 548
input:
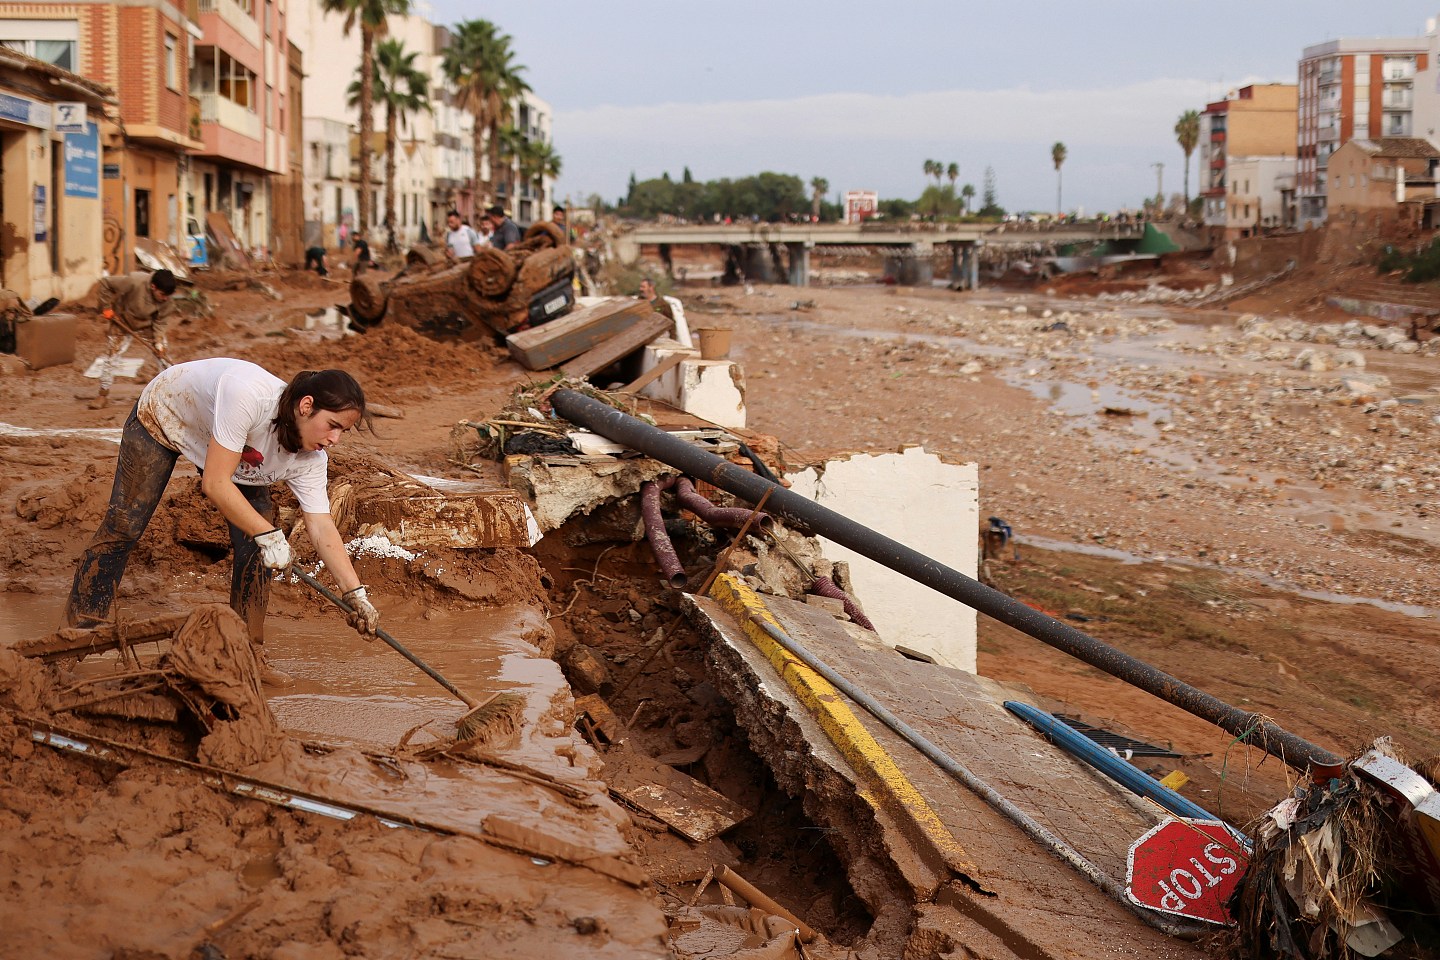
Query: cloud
pixel 1113 136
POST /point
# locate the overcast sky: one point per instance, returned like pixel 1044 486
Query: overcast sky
pixel 863 93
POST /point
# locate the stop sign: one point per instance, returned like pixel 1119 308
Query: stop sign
pixel 1187 867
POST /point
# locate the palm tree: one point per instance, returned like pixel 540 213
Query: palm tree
pixel 1187 134
pixel 967 193
pixel 403 90
pixel 952 173
pixel 371 16
pixel 929 167
pixel 508 152
pixel 1057 156
pixel 538 160
pixel 481 65
pixel 819 186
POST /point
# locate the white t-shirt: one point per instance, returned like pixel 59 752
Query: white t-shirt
pixel 463 240
pixel 234 402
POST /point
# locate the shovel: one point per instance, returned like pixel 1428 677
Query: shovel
pixel 159 360
pixel 480 716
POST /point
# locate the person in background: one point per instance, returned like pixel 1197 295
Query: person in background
pixel 461 239
pixel 134 305
pixel 659 304
pixel 503 231
pixel 245 429
pixel 315 257
pixel 559 217
pixel 363 260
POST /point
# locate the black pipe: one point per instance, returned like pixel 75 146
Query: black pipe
pixel 1251 728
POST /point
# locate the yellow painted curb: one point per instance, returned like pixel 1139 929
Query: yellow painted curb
pixel 844 729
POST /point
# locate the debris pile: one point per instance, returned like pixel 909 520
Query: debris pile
pixel 493 292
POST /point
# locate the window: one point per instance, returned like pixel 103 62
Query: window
pixel 172 69
pixel 53 41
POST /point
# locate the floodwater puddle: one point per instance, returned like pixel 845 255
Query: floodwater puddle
pixel 1125 557
pixel 74 433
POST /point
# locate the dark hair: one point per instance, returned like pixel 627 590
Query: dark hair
pixel 495 211
pixel 454 213
pixel 332 390
pixel 164 281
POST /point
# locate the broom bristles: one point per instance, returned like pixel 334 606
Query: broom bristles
pixel 498 716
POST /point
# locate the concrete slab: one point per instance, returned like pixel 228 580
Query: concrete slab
pixel 931 506
pixel 1029 902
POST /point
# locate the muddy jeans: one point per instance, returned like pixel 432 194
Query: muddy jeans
pixel 141 475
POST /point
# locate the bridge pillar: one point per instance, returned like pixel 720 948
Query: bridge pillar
pixel 799 264
pixel 757 263
pixel 909 268
pixel 957 275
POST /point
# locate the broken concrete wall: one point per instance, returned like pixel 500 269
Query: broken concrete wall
pixel 928 505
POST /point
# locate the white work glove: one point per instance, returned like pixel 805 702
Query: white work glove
pixel 363 616
pixel 274 549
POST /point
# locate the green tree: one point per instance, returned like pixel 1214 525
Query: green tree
pixel 818 188
pixel 952 173
pixel 403 90
pixel 370 16
pixel 967 193
pixel 685 177
pixel 990 208
pixel 1057 157
pixel 539 161
pixel 481 65
pixel 1187 134
pixel 933 168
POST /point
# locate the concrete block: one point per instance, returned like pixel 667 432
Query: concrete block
pixel 928 505
pixel 713 390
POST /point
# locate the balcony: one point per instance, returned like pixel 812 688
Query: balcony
pixel 230 115
pixel 1397 100
pixel 234 15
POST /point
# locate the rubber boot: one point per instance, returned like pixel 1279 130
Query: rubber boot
pixel 101 401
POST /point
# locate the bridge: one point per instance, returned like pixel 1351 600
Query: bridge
pixel 755 247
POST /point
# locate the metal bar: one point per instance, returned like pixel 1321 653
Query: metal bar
pixel 1083 748
pixel 1251 728
pixel 1032 827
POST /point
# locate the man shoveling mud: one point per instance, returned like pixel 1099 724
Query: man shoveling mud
pixel 245 429
pixel 138 304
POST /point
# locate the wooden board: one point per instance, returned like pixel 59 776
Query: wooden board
pixel 230 249
pixel 685 804
pixel 640 332
pixel 80 642
pixel 553 343
pixel 654 373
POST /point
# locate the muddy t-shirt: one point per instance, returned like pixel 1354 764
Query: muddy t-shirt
pixel 234 402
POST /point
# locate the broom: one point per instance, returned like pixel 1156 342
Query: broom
pixel 498 709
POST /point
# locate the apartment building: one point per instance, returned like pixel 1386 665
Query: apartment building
pixel 1351 88
pixel 140 49
pixel 49 178
pixel 434 162
pixel 241 82
pixel 1247 158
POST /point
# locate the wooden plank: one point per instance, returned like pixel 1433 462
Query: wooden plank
pixel 79 642
pixel 553 343
pixel 422 522
pixel 624 343
pixel 685 804
pixel 654 373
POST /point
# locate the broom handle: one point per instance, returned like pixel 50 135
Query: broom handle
pixel 399 647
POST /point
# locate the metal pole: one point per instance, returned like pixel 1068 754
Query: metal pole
pixel 1251 728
